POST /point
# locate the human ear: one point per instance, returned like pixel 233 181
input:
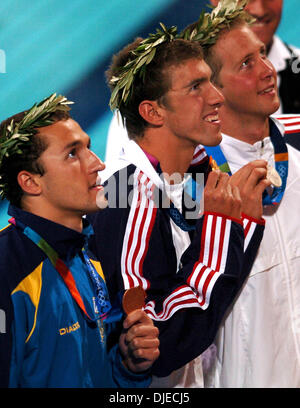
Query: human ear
pixel 29 182
pixel 151 112
pixel 214 2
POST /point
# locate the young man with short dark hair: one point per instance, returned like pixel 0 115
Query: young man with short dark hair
pixel 61 329
pixel 158 239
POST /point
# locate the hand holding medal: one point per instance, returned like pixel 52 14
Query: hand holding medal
pixel 139 343
pixel 252 180
pixel 133 298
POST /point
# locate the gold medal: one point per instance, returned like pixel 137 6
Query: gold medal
pixel 133 298
pixel 213 164
pixel 273 176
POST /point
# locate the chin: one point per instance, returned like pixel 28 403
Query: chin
pixel 101 201
pixel 274 108
pixel 215 141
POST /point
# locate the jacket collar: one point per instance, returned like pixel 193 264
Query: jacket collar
pixel 63 240
pixel 131 154
pixel 239 153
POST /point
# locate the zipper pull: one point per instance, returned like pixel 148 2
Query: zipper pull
pixel 262 148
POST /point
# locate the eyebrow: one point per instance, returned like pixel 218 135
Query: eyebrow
pixel 261 48
pixel 197 81
pixel 245 57
pixel 76 143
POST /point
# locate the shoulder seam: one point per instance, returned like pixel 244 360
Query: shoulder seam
pixel 35 298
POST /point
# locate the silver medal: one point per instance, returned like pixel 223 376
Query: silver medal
pixel 273 176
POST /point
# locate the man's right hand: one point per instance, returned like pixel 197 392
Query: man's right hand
pixel 251 181
pixel 139 341
pixel 222 197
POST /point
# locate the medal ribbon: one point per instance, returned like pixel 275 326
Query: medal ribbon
pixel 281 163
pixel 191 187
pixel 174 213
pixel 102 299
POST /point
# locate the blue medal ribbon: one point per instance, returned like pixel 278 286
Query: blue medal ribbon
pixel 281 163
pixel 104 310
pixel 174 213
pixel 103 306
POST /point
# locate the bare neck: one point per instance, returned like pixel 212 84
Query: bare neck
pixel 244 127
pixel 42 209
pixel 174 155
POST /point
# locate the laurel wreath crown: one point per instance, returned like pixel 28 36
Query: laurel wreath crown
pixel 206 32
pixel 16 135
pixel 136 65
pixel 209 25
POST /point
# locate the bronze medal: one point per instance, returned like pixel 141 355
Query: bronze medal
pixel 133 298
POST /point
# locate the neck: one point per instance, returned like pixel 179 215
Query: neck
pixel 69 220
pixel 244 127
pixel 173 155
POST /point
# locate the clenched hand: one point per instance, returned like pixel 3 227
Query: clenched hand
pixel 139 343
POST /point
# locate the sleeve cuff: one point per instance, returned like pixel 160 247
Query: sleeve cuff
pixel 237 220
pixel 260 221
pixel 140 380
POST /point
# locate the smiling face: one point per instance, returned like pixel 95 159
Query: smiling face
pixel 192 103
pixel 247 78
pixel 68 186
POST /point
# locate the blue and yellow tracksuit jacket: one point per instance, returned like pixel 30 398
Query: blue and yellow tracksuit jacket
pixel 45 340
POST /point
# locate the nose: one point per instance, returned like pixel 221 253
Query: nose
pixel 216 97
pixel 267 69
pixel 95 163
pixel 256 8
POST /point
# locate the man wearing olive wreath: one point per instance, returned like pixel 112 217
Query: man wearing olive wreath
pixel 61 329
pixel 284 57
pixel 161 86
pixel 258 343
